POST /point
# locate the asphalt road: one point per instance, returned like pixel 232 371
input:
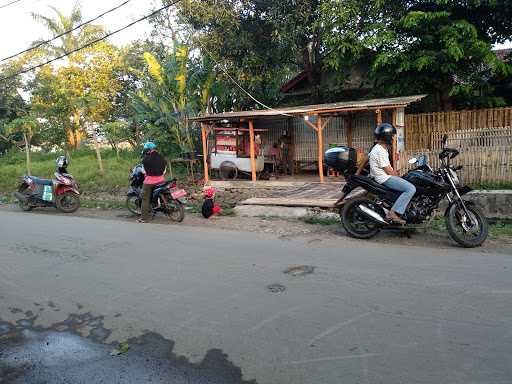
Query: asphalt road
pixel 200 305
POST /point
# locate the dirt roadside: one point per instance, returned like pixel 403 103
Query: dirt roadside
pixel 285 229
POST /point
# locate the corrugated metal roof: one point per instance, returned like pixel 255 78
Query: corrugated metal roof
pixel 313 109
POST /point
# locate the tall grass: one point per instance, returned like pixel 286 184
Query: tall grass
pixel 83 166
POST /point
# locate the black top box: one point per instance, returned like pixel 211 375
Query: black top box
pixel 342 159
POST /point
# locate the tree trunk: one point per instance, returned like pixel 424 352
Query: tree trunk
pixel 98 153
pixel 27 152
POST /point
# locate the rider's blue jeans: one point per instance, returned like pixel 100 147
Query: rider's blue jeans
pixel 408 190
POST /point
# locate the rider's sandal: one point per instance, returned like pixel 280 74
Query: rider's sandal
pixel 141 221
pixel 395 221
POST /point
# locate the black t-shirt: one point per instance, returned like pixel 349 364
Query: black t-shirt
pixel 154 164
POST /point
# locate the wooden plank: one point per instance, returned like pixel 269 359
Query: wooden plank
pixel 290 202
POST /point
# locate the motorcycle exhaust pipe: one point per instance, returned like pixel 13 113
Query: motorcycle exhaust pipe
pixel 21 197
pixel 371 214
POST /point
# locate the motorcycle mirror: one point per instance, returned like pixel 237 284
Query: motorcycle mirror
pixel 413 160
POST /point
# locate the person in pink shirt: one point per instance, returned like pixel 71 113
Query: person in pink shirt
pixel 154 166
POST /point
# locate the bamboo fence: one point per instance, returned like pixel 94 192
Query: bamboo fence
pixel 483 137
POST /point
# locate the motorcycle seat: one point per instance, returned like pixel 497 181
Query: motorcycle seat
pixel 37 180
pixel 371 185
pixel 163 185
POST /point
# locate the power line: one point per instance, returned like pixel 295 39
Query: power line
pixel 92 42
pixel 11 3
pixel 66 32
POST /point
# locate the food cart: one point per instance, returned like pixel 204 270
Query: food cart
pixel 231 153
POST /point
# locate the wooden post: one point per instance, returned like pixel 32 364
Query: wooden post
pixel 379 116
pixel 319 130
pixel 251 150
pixel 349 130
pixel 205 153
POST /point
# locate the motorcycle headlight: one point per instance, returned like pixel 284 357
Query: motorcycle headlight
pixel 455 177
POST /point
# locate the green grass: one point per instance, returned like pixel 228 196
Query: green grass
pixel 320 220
pixel 492 185
pixel 83 166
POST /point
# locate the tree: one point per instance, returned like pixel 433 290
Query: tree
pixel 61 23
pixel 12 104
pixel 439 47
pixel 27 126
pixel 247 40
pixel 175 89
pixel 116 132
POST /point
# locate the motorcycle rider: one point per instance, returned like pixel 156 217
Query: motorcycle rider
pixel 154 166
pixel 383 173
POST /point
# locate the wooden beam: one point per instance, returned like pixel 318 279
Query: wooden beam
pixel 355 109
pixel 326 122
pixel 320 135
pixel 309 123
pixel 349 130
pixel 252 151
pixel 205 152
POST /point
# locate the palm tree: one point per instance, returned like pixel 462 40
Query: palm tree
pixel 62 23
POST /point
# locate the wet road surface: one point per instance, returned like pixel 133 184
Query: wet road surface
pixel 199 305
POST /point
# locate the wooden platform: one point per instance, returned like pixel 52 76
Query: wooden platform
pixel 306 195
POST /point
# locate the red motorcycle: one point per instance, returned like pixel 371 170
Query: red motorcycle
pixel 61 192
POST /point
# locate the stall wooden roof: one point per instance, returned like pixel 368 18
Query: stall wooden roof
pixel 320 109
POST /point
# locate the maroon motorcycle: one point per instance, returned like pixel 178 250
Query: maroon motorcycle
pixel 61 192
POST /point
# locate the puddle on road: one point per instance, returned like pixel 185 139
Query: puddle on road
pixel 59 354
pixel 299 270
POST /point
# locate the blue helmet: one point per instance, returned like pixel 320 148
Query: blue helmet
pixel 149 146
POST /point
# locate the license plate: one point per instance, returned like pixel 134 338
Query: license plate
pixel 179 193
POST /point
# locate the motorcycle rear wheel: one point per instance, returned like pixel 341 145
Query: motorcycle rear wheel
pixel 68 202
pixel 25 205
pixel 134 205
pixel 175 211
pixel 355 223
pixel 467 234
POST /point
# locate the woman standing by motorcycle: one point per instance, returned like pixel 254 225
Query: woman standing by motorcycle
pixel 154 166
pixel 383 173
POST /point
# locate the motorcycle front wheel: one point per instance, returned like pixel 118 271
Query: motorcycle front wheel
pixel 68 202
pixel 467 231
pixel 134 204
pixel 356 224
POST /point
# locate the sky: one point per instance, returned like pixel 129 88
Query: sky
pixel 18 29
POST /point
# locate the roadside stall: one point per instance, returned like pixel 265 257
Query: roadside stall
pixel 231 156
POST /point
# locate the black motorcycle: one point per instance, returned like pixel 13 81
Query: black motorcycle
pixel 61 192
pixel 166 197
pixel 364 217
